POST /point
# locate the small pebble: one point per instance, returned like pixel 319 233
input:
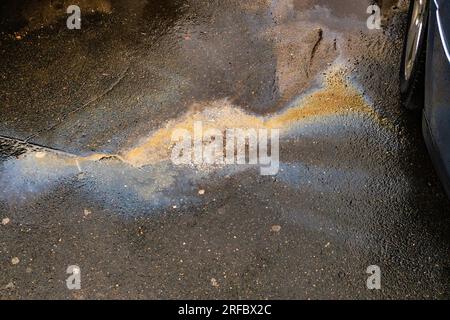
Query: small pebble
pixel 276 228
pixel 5 221
pixel 214 283
pixel 10 286
pixel 40 155
pixel 201 192
pixel 15 260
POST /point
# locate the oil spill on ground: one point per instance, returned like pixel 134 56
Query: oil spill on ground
pixel 337 97
pixel 144 174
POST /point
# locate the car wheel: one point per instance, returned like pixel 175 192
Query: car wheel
pixel 412 70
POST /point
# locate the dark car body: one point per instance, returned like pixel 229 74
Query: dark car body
pixel 436 114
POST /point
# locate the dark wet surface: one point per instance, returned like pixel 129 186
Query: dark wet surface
pixel 353 190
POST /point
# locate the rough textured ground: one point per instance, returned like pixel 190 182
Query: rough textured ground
pixel 355 188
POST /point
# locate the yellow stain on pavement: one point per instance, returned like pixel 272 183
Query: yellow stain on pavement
pixel 336 97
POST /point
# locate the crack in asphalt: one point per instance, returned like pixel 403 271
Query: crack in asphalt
pixel 314 50
pixel 86 104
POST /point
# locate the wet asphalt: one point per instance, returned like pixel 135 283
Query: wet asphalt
pixel 355 187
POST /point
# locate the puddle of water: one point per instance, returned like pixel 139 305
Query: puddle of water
pixel 337 97
pixel 145 173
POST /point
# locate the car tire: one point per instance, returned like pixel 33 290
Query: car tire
pixel 412 70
